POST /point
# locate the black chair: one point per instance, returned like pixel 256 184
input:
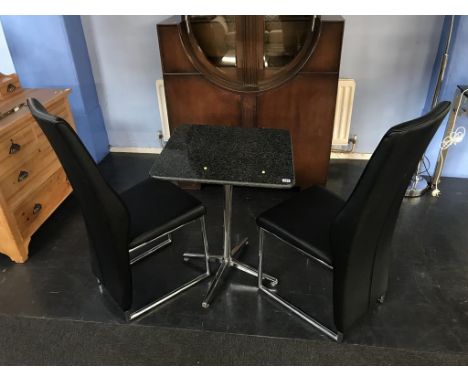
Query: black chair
pixel 122 229
pixel 352 238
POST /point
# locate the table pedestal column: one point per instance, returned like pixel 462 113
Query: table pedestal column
pixel 227 260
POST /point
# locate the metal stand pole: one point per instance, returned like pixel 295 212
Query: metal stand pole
pixel 456 109
pixel 419 185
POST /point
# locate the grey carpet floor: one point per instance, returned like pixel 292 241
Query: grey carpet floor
pixel 40 341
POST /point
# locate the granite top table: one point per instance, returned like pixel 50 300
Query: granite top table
pixel 231 156
pixel 227 155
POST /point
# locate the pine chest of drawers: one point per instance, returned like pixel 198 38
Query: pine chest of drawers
pixel 32 181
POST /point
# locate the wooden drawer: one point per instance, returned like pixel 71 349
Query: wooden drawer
pixel 24 179
pixel 12 157
pixel 26 201
pixel 31 213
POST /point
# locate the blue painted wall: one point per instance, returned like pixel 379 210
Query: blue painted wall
pixel 125 59
pixel 51 52
pixel 456 163
pixel 391 58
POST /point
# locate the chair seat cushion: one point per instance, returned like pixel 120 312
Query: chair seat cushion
pixel 305 221
pixel 157 206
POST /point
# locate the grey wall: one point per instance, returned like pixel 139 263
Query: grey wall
pixel 124 55
pixel 391 59
pixel 6 64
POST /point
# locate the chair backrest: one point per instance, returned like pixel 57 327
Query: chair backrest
pixel 362 231
pixel 106 217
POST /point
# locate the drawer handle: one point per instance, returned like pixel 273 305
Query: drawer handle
pixel 22 175
pixel 37 208
pixel 14 148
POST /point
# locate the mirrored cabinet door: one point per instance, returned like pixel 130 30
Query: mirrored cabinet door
pixel 249 53
pixel 216 36
pixel 284 38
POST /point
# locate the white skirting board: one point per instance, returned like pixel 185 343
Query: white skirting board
pixel 157 150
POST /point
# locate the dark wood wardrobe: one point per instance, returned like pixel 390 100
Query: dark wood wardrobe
pixel 257 71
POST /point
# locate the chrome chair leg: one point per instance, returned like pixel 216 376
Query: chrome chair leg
pixel 148 252
pixel 337 336
pixel 205 244
pixel 131 315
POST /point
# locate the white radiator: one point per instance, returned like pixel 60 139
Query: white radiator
pixel 343 111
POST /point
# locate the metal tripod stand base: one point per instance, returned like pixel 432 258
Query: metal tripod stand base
pixel 417 189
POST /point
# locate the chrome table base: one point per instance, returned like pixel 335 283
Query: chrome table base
pixel 227 260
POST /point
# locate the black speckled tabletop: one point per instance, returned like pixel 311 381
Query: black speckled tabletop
pixel 227 155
